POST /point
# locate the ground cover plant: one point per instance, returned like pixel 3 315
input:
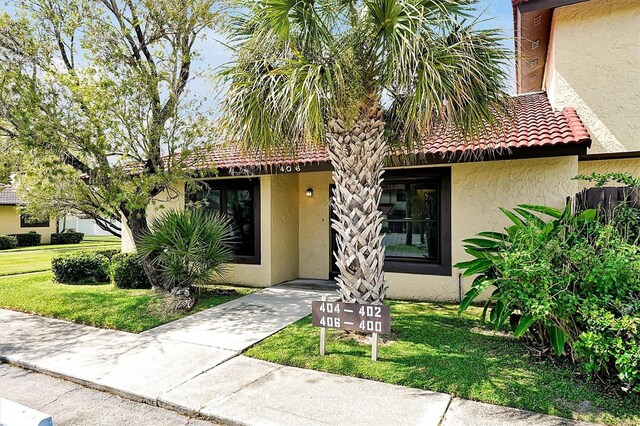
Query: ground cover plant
pixel 432 347
pixel 567 284
pixel 102 304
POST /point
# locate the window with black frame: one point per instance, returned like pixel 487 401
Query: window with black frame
pixel 415 206
pixel 27 221
pixel 237 199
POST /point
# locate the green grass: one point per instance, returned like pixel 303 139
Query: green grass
pixel 38 258
pixel 434 348
pixel 97 241
pixel 101 305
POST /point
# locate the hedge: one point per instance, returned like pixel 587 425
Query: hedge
pixel 80 267
pixel 8 242
pixel 126 272
pixel 67 238
pixel 29 239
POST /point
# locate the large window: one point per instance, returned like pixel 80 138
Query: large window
pixel 415 205
pixel 27 221
pixel 239 200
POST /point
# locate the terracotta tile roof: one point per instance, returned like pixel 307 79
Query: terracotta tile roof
pixel 534 123
pixel 8 196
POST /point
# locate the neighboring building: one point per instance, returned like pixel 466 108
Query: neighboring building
pixel 586 55
pixel 12 222
pixel 281 207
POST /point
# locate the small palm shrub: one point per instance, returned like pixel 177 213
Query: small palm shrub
pixel 126 271
pixel 187 247
pixel 8 242
pixel 563 281
pixel 80 267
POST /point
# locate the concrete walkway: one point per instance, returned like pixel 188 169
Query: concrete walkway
pixel 193 366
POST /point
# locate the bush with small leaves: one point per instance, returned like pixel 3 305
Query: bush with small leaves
pixel 126 271
pixel 29 239
pixel 8 242
pixel 80 267
pixel 67 238
pixel 108 253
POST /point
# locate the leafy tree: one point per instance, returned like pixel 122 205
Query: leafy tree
pixel 95 106
pixel 357 75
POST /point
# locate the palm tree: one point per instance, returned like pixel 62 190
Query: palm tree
pixel 358 75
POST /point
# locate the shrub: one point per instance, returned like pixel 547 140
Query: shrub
pixel 188 247
pixel 79 267
pixel 29 239
pixel 565 282
pixel 126 271
pixel 67 238
pixel 108 253
pixel 8 242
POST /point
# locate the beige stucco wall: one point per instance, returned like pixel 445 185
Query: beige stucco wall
pixel 593 64
pixel 477 191
pixel 284 227
pixel 278 231
pixel 627 165
pixel 314 232
pixel 295 233
pixel 10 224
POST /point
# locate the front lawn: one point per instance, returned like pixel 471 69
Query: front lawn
pixel 101 305
pixel 435 349
pixel 34 259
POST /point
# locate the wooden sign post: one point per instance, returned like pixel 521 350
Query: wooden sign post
pixel 363 318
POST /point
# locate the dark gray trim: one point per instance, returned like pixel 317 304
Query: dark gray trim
pixel 41 224
pixel 443 265
pixel 535 5
pixel 609 156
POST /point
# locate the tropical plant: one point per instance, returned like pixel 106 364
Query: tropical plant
pixel 319 72
pixel 562 281
pixel 188 247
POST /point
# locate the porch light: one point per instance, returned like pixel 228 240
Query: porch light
pixel 309 192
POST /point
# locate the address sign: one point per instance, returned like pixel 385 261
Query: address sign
pixel 364 318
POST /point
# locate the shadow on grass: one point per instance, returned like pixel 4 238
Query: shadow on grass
pixel 435 349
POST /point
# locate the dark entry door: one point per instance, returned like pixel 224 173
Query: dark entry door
pixel 333 270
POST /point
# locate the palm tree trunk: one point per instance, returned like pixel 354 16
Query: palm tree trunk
pixel 357 154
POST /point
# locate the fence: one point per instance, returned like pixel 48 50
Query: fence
pixel 607 198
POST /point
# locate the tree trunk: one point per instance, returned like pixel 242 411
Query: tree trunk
pixel 357 155
pixel 137 222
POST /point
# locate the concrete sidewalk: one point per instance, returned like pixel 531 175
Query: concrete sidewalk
pixel 193 366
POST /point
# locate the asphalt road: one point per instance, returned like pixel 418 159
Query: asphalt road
pixel 72 404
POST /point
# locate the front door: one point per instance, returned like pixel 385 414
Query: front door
pixel 333 247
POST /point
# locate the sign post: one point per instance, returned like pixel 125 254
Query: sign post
pixel 323 334
pixel 363 318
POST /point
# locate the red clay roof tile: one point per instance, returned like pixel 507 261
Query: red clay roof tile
pixel 533 123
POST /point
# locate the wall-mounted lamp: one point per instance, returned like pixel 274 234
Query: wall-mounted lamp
pixel 309 192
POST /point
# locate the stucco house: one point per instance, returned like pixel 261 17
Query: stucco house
pixel 576 112
pixel 13 222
